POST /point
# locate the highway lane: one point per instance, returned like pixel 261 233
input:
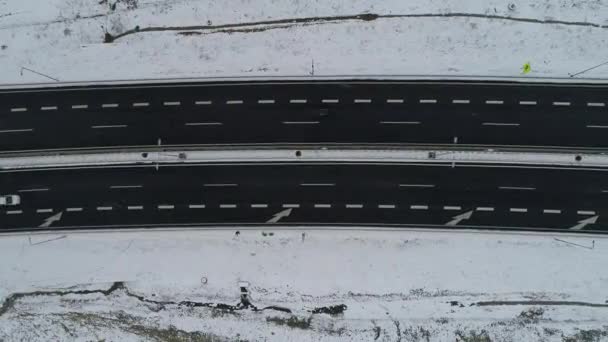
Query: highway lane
pixel 356 112
pixel 401 195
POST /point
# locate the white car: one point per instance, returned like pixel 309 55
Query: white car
pixel 10 200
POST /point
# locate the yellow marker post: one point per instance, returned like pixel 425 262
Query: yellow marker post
pixel 526 68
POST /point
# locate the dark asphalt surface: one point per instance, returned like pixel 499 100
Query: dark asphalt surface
pixel 404 195
pixel 361 112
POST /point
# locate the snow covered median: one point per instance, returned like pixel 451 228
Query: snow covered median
pixel 45 41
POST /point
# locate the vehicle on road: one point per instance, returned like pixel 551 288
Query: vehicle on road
pixel 10 200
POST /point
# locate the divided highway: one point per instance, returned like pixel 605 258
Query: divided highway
pixel 533 115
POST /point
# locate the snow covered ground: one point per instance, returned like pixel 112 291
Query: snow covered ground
pixel 409 285
pixel 64 39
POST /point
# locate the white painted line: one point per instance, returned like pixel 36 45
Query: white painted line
pixel 41 211
pixel 500 124
pixel 363 100
pixel 20 109
pixel 48 108
pixel 301 122
pixel 291 205
pixel 354 206
pixel 71 210
pixel 298 101
pixel 259 206
pixel 141 104
pixel 489 209
pixel 419 207
pixel 330 100
pixel 109 126
pixel 563 104
pixel 394 101
pixel 201 103
pixel 196 206
pixel 204 124
pixel 318 184
pixel 266 101
pixel 135 207
pixel 80 106
pixel 323 206
pixel 109 105
pixel 14 212
pixel 596 104
pixel 448 207
pixel 165 206
pixel 515 188
pixel 220 185
pixel 126 186
pixel 428 101
pixel 552 211
pixel 518 210
pixel 585 212
pixel 17 130
pixel 104 208
pixel 461 101
pixel 416 185
pixel 227 206
pixel 234 102
pixel 400 122
pixel 495 102
pixel 596 126
pixel 386 206
pixel 172 103
pixel 527 103
pixel 34 190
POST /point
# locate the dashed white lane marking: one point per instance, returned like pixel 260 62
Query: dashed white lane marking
pixel 596 104
pixel 227 206
pixel 20 109
pixel 560 103
pixel 17 130
pixel 109 126
pixel 141 104
pixel 48 108
pixel 135 207
pixel 363 100
pixel 301 122
pixel 495 102
pixel 518 210
pixel 394 101
pixel 452 207
pixel 298 101
pixel 500 124
pixel 456 101
pixel 14 212
pixel 419 207
pixel 80 106
pixel 597 126
pixel 166 206
pixel 416 185
pixel 428 101
pixel 489 209
pixel 528 103
pixel 266 101
pixel 41 211
pixel 125 186
pixel 72 210
pixel 400 122
pixel 354 206
pixel 330 101
pixel 552 211
pixel 291 206
pixel 203 124
pixel 104 208
pixel 234 102
pixel 259 206
pixel 516 188
pixel 323 206
pixel 318 184
pixel 386 206
pixel 109 105
pixel 196 206
pixel 202 103
pixel 34 190
pixel 585 212
pixel 172 103
pixel 220 185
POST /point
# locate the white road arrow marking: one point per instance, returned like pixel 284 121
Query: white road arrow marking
pixel 582 223
pixel 49 221
pixel 278 216
pixel 456 219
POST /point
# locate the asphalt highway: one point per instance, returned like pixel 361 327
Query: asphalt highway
pixel 325 194
pixel 295 112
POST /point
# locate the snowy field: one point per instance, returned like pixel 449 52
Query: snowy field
pixel 394 285
pixel 64 39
